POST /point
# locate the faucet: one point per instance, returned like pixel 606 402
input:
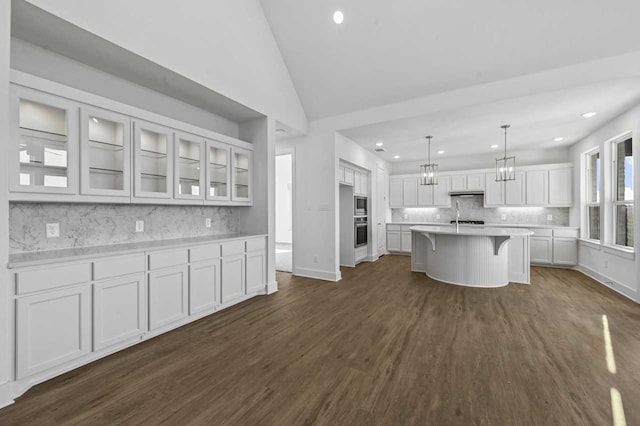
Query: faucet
pixel 457 216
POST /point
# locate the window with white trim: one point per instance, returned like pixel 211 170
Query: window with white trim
pixel 592 205
pixel 623 202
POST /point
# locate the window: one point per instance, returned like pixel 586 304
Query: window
pixel 593 195
pixel 623 202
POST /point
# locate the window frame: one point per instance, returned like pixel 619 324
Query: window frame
pixel 589 203
pixel 614 202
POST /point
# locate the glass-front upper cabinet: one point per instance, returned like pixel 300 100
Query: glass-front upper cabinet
pixel 218 171
pixel 241 177
pixel 105 153
pixel 152 160
pixel 44 144
pixel 189 170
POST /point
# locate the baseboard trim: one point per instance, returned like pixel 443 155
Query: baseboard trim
pixel 372 258
pixel 272 287
pixel 6 394
pixel 318 274
pixel 608 282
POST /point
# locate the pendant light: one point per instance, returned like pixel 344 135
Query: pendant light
pixel 505 166
pixel 429 170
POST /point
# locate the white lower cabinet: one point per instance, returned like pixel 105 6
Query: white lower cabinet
pixel 406 242
pixel 256 271
pixel 168 294
pixel 541 250
pixel 394 241
pixel 565 251
pixel 204 286
pixel 52 328
pixel 119 308
pixel 233 277
pixel 399 238
pixel 519 271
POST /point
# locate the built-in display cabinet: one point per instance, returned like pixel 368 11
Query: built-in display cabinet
pixel 68 151
pixel 548 185
pixel 69 313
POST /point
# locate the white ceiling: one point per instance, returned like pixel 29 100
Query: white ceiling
pixel 535 121
pixel 388 51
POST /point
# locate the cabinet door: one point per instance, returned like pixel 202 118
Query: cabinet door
pixel 341 174
pixel 204 286
pixel 242 175
pixel 394 241
pixel 233 277
pixel 118 310
pixel 256 271
pixel 349 176
pixel 105 153
pixel 152 160
pixel 493 191
pixel 441 197
pixel 541 250
pixel 51 329
pixel 475 182
pixel 189 170
pixel 425 195
pixel 458 183
pixel 561 187
pixel 44 143
pixel 410 192
pixel 515 191
pixel 357 183
pixel 168 296
pixel 565 251
pixel 395 192
pixel 218 157
pixel 536 187
pixel 406 241
pixel 519 271
pixel 364 184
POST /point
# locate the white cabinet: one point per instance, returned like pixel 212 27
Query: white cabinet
pixel 189 169
pixel 425 195
pixel 242 175
pixel 500 193
pixel 105 153
pixel 361 181
pixel 458 183
pixel 341 170
pixel 394 240
pixel 44 143
pixel 536 188
pixel 519 266
pixel 204 286
pixel 410 192
pixel 395 192
pixel 218 173
pixel 441 197
pixel 349 177
pixel 471 182
pixel 561 187
pixel 52 328
pixel 119 310
pixel 565 251
pixel 554 246
pixel 541 250
pixel 494 191
pixel 233 277
pixel 256 263
pixel 515 191
pixel 152 160
pixel 168 296
pixel 406 242
pixel 399 238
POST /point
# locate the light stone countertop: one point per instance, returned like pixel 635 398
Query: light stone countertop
pixel 35 258
pixel 492 225
pixel 473 231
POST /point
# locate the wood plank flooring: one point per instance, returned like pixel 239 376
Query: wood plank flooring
pixel 384 346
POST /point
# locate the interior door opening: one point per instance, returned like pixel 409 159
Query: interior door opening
pixel 284 212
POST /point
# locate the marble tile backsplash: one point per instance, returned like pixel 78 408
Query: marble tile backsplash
pixel 83 225
pixel 472 208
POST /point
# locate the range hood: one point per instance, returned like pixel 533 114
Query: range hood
pixel 465 193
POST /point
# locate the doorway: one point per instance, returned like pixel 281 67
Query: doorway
pixel 284 212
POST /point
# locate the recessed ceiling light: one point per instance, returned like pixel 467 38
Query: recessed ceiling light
pixel 280 131
pixel 396 156
pixel 441 151
pixel 379 143
pixel 588 114
pixel 558 139
pixel 338 17
pixel 494 146
pixel 95 120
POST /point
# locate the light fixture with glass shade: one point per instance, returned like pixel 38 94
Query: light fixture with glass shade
pixel 505 166
pixel 429 170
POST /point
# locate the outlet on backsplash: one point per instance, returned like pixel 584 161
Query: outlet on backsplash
pixel 437 216
pixel 549 217
pixel 53 230
pixel 207 222
pixel 139 225
pixel 503 217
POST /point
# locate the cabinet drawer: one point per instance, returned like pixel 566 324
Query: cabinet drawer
pixel 394 227
pixel 208 252
pixel 232 247
pixel 568 233
pixel 52 277
pixel 256 244
pixel 542 232
pixel 168 258
pixel 118 266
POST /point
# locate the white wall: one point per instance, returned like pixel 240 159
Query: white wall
pixel 523 158
pixel 225 45
pixel 620 271
pixel 5 314
pixel 284 207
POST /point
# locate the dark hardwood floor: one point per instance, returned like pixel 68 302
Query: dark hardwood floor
pixel 383 346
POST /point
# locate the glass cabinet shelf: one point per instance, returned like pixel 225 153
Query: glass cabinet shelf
pixel 188 168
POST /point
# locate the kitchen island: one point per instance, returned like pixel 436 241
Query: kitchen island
pixel 471 256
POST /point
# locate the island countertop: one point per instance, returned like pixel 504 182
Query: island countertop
pixel 473 231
